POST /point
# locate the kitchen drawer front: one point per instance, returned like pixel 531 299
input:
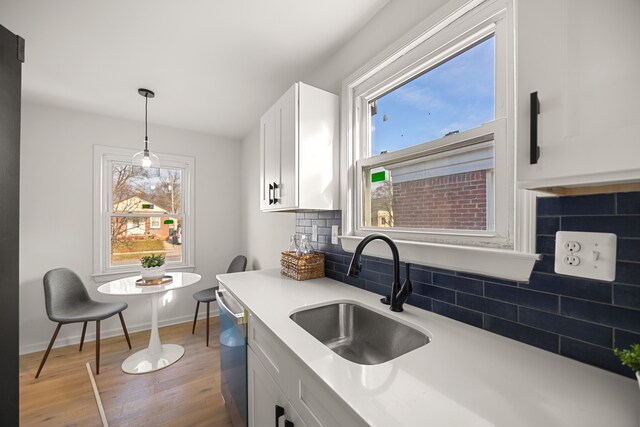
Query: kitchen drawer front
pixel 271 352
pixel 316 404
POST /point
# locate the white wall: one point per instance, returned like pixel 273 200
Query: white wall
pixel 268 233
pixel 395 20
pixel 56 218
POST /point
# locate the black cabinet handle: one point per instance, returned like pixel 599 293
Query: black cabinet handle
pixel 534 153
pixel 275 187
pixel 270 190
pixel 279 413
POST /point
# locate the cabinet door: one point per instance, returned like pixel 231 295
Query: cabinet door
pixel 11 58
pixel 581 56
pixel 268 158
pixel 315 403
pixel 286 118
pixel 265 396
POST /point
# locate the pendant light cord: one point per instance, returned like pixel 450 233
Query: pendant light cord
pixel 146 138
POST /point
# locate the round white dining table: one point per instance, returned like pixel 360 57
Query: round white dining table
pixel 157 355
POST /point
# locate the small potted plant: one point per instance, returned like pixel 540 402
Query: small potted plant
pixel 152 267
pixel 631 358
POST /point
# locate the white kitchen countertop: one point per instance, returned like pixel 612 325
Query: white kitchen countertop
pixel 464 377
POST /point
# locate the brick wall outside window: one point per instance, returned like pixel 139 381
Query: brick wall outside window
pixel 457 202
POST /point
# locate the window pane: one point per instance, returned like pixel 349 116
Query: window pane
pixel 134 237
pixel 457 95
pixel 453 191
pixel 143 190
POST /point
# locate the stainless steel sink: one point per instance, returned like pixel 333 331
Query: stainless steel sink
pixel 359 334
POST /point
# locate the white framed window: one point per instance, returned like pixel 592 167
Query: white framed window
pixel 139 211
pixel 428 139
pixel 432 138
pixel 155 222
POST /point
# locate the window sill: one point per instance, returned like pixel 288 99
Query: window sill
pixel 113 275
pixel 500 263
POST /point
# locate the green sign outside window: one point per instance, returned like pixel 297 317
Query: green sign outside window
pixel 378 176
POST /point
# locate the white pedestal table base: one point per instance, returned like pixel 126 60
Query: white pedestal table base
pixel 143 361
pixel 157 355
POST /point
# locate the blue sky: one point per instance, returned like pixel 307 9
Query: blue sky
pixel 456 95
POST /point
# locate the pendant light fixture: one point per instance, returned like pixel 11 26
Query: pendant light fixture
pixel 145 158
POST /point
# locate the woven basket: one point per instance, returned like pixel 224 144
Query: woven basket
pixel 302 267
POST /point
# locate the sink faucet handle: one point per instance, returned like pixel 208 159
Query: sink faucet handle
pixel 355 267
pixel 405 291
pixel 407 287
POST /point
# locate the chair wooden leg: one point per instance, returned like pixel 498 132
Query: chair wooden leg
pixel 84 329
pixel 97 347
pixel 124 328
pixel 208 323
pixel 193 330
pixel 46 354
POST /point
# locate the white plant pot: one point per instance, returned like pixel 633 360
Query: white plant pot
pixel 153 272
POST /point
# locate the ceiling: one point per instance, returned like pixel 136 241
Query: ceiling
pixel 214 65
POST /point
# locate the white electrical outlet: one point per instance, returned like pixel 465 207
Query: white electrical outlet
pixel 591 255
pixel 314 233
pixel 572 260
pixel 571 246
pixel 335 230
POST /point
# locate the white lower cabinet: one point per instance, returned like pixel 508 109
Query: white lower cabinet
pixel 278 377
pixel 268 406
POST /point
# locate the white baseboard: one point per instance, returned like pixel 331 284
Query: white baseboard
pixel 91 336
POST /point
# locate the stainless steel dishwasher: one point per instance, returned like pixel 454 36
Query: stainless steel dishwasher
pixel 233 356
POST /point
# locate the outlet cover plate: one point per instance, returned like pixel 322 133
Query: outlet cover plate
pixel 334 234
pixel 597 255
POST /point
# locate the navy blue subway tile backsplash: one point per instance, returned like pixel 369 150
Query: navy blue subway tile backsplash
pixel 578 318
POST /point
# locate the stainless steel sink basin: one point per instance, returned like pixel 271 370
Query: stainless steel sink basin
pixel 359 334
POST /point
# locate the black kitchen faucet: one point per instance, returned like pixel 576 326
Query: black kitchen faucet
pixel 399 294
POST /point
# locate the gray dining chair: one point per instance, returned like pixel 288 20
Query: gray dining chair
pixel 208 295
pixel 67 301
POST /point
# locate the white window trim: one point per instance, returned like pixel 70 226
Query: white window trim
pixel 467 18
pixel 102 157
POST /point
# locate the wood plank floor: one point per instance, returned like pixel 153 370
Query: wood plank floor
pixel 186 393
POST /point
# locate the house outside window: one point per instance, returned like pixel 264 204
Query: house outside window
pixel 430 135
pixel 141 211
pixel 134 227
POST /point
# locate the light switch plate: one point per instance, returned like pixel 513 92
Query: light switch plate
pixel 591 255
pixel 314 233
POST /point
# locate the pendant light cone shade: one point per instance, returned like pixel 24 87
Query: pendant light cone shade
pixel 145 158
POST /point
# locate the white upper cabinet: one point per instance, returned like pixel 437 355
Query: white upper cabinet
pixel 299 151
pixel 582 57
